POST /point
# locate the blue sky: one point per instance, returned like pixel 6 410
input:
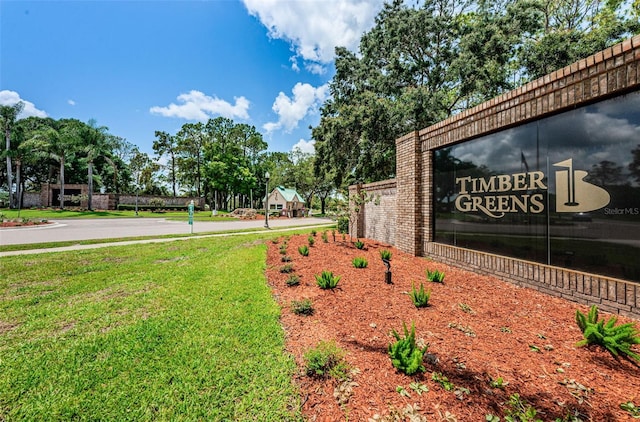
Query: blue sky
pixel 141 66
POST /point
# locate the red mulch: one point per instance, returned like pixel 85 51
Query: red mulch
pixel 21 224
pixel 503 324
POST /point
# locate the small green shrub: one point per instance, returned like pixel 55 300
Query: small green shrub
pixel 631 408
pixel 405 354
pixel 302 307
pixel 285 258
pixel 385 254
pixel 293 280
pixel 286 269
pixel 360 262
pixel 420 298
pixel 313 232
pixel 283 249
pixel 326 359
pixel 303 250
pixel 435 276
pixel 343 225
pixel 358 244
pixel 327 280
pixel 617 340
pixel 311 240
pixel 325 237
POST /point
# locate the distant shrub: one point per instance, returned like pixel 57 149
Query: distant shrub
pixel 303 250
pixel 343 225
pixel 303 307
pixel 285 269
pixel 311 240
pixel 435 276
pixel 420 298
pixel 385 254
pixel 326 280
pixel 360 262
pixel 293 280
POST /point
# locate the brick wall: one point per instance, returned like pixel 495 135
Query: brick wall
pixel 609 73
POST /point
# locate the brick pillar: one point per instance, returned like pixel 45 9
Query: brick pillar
pixel 409 194
pixel 427 198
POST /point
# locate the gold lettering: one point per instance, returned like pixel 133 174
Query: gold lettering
pixel 463 185
pixel 463 206
pixel 537 204
pixel 504 183
pixel 517 203
pixel 488 186
pixel 520 181
pixel 535 180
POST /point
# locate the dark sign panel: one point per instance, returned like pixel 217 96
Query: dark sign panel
pixel 564 190
pixel 72 197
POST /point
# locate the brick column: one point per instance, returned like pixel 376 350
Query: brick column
pixel 409 197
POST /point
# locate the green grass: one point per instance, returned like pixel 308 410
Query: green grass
pixel 169 331
pixel 53 214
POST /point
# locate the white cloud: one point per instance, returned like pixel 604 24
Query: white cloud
pixel 306 99
pixel 195 105
pixel 11 97
pixel 316 27
pixel 71 102
pixel 307 147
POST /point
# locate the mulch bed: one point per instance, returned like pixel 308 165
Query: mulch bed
pixel 478 329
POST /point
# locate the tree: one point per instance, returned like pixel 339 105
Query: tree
pixel 166 144
pixel 94 144
pixel 8 117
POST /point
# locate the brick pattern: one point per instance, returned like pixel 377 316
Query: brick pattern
pixel 379 215
pixel 409 187
pixel 614 71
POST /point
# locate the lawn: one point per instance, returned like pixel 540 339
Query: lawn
pixel 170 331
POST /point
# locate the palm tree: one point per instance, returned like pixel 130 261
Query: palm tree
pixel 8 117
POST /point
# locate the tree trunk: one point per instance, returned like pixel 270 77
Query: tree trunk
pixel 323 200
pixel 61 183
pixel 18 182
pixel 90 196
pixel 7 137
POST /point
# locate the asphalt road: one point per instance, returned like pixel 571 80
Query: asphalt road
pixel 76 229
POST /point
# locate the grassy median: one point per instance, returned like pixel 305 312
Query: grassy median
pixel 170 331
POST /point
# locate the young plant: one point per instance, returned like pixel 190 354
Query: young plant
pixel 631 408
pixel 302 307
pixel 420 298
pixel 443 381
pixel 385 254
pixel 360 262
pixel 326 359
pixel 286 269
pixel 293 280
pixel 326 280
pixel 358 244
pixel 435 276
pixel 617 340
pixel 325 237
pixel 285 258
pixel 333 233
pixel 520 410
pixel 405 354
pixel 313 232
pixel 311 240
pixel 283 249
pixel 304 250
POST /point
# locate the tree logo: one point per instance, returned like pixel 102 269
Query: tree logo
pixel 573 194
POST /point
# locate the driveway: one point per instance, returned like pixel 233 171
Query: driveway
pixel 76 229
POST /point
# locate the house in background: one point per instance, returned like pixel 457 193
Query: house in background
pixel 286 202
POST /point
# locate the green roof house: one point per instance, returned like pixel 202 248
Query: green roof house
pixel 286 202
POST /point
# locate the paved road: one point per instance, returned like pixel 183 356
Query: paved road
pixel 69 230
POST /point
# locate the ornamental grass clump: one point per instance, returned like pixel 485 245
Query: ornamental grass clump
pixel 360 262
pixel 420 298
pixel 293 280
pixel 311 240
pixel 385 254
pixel 325 237
pixel 405 354
pixel 616 339
pixel 326 359
pixel 435 276
pixel 302 307
pixel 286 269
pixel 358 244
pixel 326 280
pixel 303 250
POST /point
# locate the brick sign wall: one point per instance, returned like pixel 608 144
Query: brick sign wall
pixel 607 74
